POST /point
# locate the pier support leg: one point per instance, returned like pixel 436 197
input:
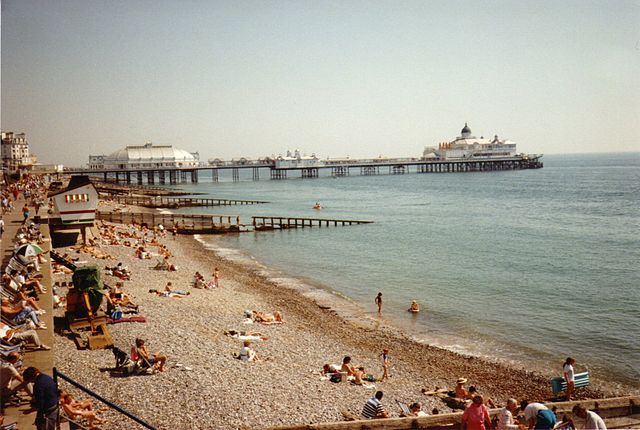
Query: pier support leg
pixel 235 173
pixel 194 176
pixel 151 177
pixel 161 177
pixel 139 174
pixel 214 175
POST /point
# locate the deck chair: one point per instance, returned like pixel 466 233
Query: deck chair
pixel 404 408
pixel 142 363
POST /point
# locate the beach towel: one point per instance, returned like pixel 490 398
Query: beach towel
pixel 127 319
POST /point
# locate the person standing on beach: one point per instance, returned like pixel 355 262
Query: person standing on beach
pixel 569 376
pixel 379 302
pixel 45 398
pixel 476 416
pixel 384 357
pixel 25 213
pixel 216 277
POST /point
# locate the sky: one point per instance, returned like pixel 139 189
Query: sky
pixel 339 78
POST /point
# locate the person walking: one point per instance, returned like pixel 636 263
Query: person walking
pixel 569 376
pixel 25 213
pixel 379 302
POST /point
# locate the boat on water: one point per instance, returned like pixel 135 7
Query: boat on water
pixel 467 146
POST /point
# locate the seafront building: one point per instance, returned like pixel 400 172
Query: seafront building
pixel 15 152
pixel 147 156
pixel 468 146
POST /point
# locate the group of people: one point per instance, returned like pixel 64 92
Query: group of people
pixel 200 282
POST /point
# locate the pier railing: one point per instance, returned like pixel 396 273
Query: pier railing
pixel 180 202
pixel 276 222
pixel 184 223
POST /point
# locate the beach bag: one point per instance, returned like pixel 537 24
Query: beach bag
pixel 116 314
pixel 335 377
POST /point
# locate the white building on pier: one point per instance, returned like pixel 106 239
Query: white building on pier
pixel 147 156
pixel 468 146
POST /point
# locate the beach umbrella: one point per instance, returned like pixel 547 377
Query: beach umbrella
pixel 29 250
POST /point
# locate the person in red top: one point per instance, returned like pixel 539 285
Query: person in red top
pixel 476 416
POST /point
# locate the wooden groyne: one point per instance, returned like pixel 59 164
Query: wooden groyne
pixel 618 412
pixel 113 188
pixel 185 223
pixel 180 202
pixel 276 222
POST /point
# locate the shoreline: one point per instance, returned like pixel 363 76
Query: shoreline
pixel 355 313
pixel 189 331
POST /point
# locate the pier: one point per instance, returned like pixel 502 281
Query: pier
pixel 398 166
pixel 274 222
pixel 180 202
pixel 185 224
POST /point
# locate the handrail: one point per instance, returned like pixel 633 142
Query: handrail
pixel 57 373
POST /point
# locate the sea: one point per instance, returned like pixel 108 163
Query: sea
pixel 526 267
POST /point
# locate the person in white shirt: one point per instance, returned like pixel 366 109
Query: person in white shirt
pixel 569 376
pixel 590 420
pixel 505 416
pixel 246 353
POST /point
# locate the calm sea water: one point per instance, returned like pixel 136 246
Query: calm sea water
pixel 527 266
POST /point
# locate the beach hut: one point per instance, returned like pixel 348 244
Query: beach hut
pixel 74 208
pixel 77 203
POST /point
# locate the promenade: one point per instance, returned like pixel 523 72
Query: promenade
pixel 23 414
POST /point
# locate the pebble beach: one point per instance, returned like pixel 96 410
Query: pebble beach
pixel 205 387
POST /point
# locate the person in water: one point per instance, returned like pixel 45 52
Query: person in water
pixel 317 206
pixel 379 302
pixel 414 307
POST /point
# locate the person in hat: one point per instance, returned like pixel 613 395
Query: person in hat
pixel 461 392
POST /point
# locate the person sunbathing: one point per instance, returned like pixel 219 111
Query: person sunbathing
pixel 329 369
pixel 155 359
pixel 75 409
pixel 117 297
pixel 19 313
pixel 266 318
pixel 165 265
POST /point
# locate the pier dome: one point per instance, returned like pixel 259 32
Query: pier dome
pixel 465 133
pixel 148 155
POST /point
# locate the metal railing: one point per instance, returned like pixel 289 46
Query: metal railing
pixel 57 374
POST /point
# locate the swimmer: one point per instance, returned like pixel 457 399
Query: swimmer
pixel 317 206
pixel 415 308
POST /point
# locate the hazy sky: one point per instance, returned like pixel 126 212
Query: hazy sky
pixel 357 78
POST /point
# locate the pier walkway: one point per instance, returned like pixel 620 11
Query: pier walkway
pixel 397 166
pixel 180 202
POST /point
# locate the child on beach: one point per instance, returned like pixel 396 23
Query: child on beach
pixel 379 302
pixel 384 357
pixel 216 277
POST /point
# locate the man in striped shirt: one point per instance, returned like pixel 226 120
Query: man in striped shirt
pixel 373 408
